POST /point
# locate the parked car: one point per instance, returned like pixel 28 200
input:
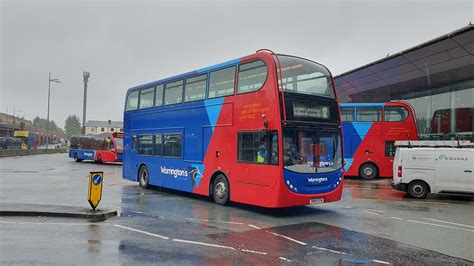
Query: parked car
pixel 420 171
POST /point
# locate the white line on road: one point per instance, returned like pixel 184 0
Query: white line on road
pixel 440 221
pixel 285 259
pixel 440 225
pixel 381 261
pixel 214 221
pixel 254 226
pixel 253 251
pixel 202 244
pixel 375 210
pixel 396 218
pixel 330 250
pixel 289 238
pixel 374 213
pixel 140 231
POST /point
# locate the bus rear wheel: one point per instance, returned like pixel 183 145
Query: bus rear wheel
pixel 77 158
pixel 368 171
pixel 144 177
pixel 220 190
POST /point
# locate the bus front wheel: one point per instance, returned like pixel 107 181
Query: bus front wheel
pixel 220 190
pixel 144 177
pixel 99 159
pixel 368 171
pixel 77 158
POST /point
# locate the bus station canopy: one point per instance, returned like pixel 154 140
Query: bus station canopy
pixel 436 63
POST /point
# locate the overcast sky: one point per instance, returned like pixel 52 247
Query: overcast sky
pixel 126 43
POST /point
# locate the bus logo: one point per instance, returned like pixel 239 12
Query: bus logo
pixel 317 179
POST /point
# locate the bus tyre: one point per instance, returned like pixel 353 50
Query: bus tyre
pixel 368 171
pixel 220 190
pixel 77 158
pixel 99 159
pixel 418 189
pixel 144 177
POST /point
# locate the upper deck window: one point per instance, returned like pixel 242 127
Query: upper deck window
pixel 195 88
pixel 221 82
pixel 174 92
pixel 369 114
pixel 252 76
pixel 347 114
pixel 146 98
pixel 132 101
pixel 395 113
pixel 303 76
pixel 159 95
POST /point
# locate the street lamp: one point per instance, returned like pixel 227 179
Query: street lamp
pixel 47 119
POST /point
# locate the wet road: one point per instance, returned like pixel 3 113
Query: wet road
pixel 373 224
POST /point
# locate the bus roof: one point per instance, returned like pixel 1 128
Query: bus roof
pixel 187 74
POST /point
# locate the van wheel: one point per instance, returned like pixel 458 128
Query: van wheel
pixel 144 177
pixel 220 190
pixel 418 189
pixel 76 158
pixel 368 171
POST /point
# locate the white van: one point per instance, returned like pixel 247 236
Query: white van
pixel 420 171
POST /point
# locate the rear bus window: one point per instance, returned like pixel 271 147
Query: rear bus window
pixel 132 101
pixel 195 88
pixel 146 98
pixel 174 92
pixel 221 82
pixel 369 114
pixel 252 76
pixel 395 113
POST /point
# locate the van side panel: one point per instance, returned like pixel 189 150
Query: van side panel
pixel 454 170
pixel 418 164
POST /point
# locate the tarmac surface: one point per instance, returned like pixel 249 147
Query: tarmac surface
pixel 372 225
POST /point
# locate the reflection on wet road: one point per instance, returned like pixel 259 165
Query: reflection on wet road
pixel 373 224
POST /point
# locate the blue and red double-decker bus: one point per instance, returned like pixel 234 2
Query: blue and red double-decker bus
pixel 101 148
pixel 370 131
pixel 263 129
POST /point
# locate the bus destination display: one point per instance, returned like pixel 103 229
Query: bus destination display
pixel 310 111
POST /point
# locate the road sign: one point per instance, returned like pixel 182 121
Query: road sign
pixel 95 188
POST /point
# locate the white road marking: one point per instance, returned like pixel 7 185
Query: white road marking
pixel 440 221
pixel 330 250
pixel 374 213
pixel 137 212
pixel 396 218
pixel 202 244
pixel 375 210
pixel 254 226
pixel 440 225
pixel 140 231
pixel 253 251
pixel 214 221
pixel 285 259
pixel 381 261
pixel 289 238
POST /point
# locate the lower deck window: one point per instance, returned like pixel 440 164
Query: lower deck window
pixel 172 145
pixel 145 145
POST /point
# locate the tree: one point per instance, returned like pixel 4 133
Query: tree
pixel 42 123
pixel 73 126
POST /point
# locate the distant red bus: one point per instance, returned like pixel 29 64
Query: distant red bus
pixel 442 119
pixel 102 148
pixel 370 131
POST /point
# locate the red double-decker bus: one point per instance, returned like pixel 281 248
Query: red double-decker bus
pixel 370 131
pixel 263 129
pixel 101 148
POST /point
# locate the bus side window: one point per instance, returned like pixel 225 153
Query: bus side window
pixel 251 149
pixel 347 114
pixel 134 143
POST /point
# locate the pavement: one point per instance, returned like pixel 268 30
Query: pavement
pixel 372 225
pixel 51 210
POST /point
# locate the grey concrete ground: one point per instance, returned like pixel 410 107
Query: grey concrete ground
pixel 373 224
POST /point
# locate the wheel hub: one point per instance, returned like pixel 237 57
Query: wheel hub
pixel 220 189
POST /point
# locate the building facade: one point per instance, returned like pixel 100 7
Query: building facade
pixel 94 127
pixel 436 78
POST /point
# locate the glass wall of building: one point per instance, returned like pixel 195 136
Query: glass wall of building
pixel 444 113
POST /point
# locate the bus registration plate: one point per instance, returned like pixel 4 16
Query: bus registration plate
pixel 316 201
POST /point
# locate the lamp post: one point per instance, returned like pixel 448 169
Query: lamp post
pixel 47 118
pixel 85 76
